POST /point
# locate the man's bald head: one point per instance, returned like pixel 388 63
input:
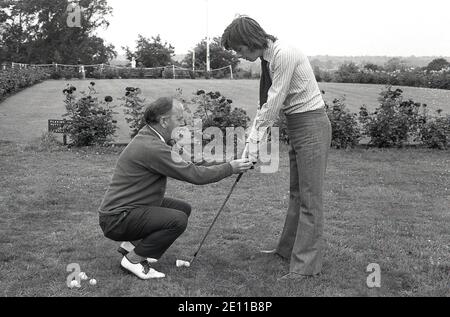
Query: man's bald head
pixel 165 115
pixel 161 107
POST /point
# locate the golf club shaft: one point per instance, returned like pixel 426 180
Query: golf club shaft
pixel 217 216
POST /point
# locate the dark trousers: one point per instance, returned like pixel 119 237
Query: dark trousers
pixel 154 227
pixel 302 237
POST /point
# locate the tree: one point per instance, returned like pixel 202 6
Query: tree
pixel 151 52
pixel 394 64
pixel 36 31
pixel 317 73
pixel 438 64
pixel 219 56
pixel 346 72
pixel 373 67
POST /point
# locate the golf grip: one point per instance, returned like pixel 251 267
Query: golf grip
pixel 217 216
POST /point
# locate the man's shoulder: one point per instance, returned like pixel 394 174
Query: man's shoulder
pixel 284 45
pixel 283 48
pixel 145 143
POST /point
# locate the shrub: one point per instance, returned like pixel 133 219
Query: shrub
pixel 134 108
pixel 12 80
pixel 125 73
pixel 435 133
pixel 345 129
pixel 91 121
pixel 111 73
pixel 418 77
pixel 218 74
pixel 64 73
pixel 48 142
pixel 394 122
pixel 215 110
pixel 105 73
pixel 167 73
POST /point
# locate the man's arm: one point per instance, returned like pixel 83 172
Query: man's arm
pixel 190 157
pixel 169 163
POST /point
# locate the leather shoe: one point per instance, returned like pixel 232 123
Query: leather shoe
pixel 141 270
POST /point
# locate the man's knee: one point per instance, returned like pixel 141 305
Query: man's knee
pixel 187 209
pixel 184 207
pixel 180 222
pixel 177 205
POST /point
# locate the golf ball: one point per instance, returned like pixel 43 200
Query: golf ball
pixel 74 283
pixel 83 276
pixel 181 263
pixel 93 282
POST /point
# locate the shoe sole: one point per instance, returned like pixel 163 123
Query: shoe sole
pixel 127 271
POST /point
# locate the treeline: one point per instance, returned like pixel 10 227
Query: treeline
pixel 435 75
pixel 41 32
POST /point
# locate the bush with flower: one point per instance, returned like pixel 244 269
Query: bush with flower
pixel 435 132
pixel 395 122
pixel 91 121
pixel 215 110
pixel 134 107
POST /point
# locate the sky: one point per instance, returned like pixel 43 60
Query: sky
pixel 317 27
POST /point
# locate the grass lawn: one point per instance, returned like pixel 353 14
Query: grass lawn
pixel 24 116
pixel 389 207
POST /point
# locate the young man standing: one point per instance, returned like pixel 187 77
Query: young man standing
pixel 288 83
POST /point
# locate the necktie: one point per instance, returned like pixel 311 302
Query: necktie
pixel 265 82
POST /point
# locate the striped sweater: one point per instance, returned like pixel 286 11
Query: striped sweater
pixel 294 87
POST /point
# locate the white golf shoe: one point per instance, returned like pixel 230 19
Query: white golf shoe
pixel 141 270
pixel 126 247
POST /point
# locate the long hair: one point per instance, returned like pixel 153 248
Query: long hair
pixel 245 31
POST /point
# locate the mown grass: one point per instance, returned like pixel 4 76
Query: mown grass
pixel 31 108
pixel 383 206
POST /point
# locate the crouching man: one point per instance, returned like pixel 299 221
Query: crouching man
pixel 134 208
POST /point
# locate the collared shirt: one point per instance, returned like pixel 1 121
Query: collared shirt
pixel 294 87
pixel 160 136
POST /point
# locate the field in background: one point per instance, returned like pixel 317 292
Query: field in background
pixel 358 94
pixel 24 116
pixel 388 207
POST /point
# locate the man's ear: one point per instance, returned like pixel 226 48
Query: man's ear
pixel 163 122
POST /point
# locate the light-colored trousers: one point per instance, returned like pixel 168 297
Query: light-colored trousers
pixel 302 238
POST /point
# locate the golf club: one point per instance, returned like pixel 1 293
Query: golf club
pixel 217 216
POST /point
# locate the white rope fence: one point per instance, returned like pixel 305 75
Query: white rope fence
pixel 102 67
